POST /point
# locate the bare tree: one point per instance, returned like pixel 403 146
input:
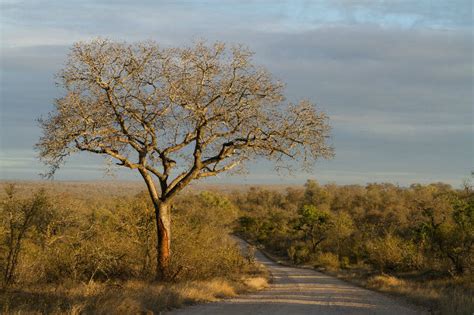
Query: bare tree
pixel 176 115
pixel 19 217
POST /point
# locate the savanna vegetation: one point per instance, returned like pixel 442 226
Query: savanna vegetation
pixel 71 248
pixel 416 241
pixel 91 248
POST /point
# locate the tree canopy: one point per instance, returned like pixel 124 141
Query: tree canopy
pixel 177 113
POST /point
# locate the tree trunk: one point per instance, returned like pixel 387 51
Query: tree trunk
pixel 163 226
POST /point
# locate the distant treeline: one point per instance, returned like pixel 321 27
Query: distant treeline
pixel 388 228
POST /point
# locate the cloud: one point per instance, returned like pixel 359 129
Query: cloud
pixel 390 126
pixel 360 71
pixel 394 76
pixel 26 23
pixel 427 13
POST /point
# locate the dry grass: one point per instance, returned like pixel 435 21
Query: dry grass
pixel 256 283
pixel 131 297
pixel 385 281
pixel 441 295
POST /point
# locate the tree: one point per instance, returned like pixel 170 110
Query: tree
pixel 453 236
pixel 176 115
pixel 19 217
pixel 341 230
pixel 315 224
pixel 314 194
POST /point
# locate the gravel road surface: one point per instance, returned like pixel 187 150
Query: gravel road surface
pixel 304 291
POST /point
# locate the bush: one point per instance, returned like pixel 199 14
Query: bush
pixel 200 244
pixel 68 237
pixel 387 252
pixel 299 253
pixel 328 261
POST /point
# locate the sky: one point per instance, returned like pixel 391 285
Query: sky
pixel 395 77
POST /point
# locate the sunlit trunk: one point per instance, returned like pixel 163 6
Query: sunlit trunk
pixel 163 225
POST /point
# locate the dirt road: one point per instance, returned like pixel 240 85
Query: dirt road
pixel 304 291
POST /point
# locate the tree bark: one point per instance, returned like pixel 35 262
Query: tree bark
pixel 163 226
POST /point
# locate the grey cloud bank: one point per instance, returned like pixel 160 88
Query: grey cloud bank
pixel 395 77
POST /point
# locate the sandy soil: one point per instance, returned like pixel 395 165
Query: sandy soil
pixel 304 291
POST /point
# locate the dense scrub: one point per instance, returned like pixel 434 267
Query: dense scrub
pixel 79 248
pixel 390 228
pixel 419 233
pixel 69 240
